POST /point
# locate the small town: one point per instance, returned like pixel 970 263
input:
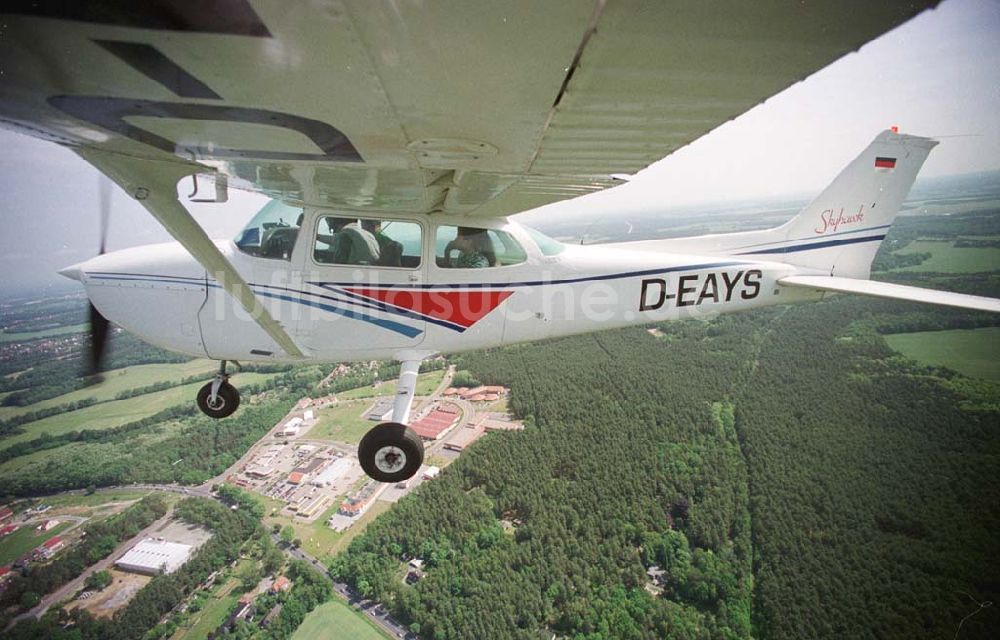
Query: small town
pixel 305 469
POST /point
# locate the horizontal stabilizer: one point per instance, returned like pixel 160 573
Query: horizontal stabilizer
pixel 895 291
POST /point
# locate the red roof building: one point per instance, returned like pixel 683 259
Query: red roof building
pixel 281 584
pixel 8 529
pixel 431 426
pixel 295 477
pixel 50 546
pixel 5 512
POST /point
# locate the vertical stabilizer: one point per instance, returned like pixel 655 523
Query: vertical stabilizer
pixel 840 231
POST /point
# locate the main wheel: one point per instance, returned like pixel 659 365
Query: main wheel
pixel 227 400
pixel 391 452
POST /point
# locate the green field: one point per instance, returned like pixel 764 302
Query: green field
pixel 47 333
pixel 426 384
pixel 973 352
pixel 125 379
pixel 25 539
pixel 343 422
pixel 947 259
pixel 118 412
pixel 93 500
pixel 335 619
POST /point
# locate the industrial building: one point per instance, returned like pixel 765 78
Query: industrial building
pixel 290 428
pixel 333 473
pixel 381 410
pixel 152 556
pixel 314 506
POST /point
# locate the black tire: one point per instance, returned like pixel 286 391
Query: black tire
pixel 227 400
pixel 375 456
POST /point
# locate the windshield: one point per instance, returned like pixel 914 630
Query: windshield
pixel 546 245
pixel 272 232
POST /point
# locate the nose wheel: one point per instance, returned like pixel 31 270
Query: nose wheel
pixel 391 452
pixel 218 398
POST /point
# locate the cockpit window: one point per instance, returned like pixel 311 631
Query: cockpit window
pixel 546 245
pixel 367 241
pixel 272 232
pixel 474 248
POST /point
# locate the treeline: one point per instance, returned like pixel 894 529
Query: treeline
pixel 199 449
pixel 230 530
pixel 11 426
pixel 99 540
pixel 363 375
pixel 630 459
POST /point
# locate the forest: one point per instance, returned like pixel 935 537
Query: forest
pixel 790 474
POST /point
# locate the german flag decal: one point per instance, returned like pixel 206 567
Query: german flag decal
pixel 885 163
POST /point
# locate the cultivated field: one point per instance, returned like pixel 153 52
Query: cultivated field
pixel 972 352
pixel 946 258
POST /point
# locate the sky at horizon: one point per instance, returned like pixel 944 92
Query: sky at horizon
pixel 937 75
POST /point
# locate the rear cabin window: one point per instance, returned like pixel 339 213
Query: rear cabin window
pixel 474 248
pixel 367 241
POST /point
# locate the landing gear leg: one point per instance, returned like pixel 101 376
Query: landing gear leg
pixel 392 452
pixel 218 398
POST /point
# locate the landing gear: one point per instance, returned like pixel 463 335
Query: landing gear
pixel 391 452
pixel 218 398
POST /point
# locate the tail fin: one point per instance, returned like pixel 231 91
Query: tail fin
pixel 840 231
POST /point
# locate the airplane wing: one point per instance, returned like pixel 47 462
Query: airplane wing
pixel 478 108
pixel 483 108
pixel 894 291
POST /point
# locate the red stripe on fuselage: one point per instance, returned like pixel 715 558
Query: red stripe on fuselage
pixel 464 308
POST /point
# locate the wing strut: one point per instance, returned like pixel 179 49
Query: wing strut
pixel 154 184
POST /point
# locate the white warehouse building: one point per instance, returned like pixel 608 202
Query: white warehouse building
pixel 334 472
pixel 152 556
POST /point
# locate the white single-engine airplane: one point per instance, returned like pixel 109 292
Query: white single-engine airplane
pixel 396 139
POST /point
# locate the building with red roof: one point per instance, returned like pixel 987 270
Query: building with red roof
pixel 51 546
pixel 281 584
pixel 435 423
pixel 5 512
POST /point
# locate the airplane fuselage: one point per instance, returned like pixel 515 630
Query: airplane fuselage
pixel 354 312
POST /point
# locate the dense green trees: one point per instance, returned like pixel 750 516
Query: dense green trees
pixel 627 444
pixel 869 493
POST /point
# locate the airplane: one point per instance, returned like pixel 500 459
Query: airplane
pixel 396 142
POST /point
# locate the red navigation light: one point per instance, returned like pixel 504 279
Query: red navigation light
pixel 894 128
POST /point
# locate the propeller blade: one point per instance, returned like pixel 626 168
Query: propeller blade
pixel 104 198
pixel 98 323
pixel 98 340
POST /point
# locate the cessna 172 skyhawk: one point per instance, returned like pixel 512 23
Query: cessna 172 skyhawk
pixel 396 140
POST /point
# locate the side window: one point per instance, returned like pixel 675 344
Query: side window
pixel 367 241
pixel 272 232
pixel 473 248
